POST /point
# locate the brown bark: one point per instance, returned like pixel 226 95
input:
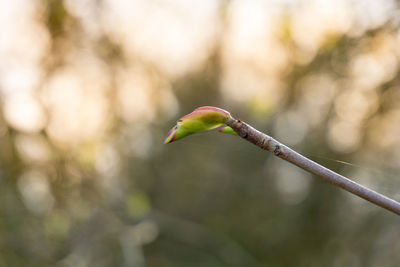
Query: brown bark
pixel 268 143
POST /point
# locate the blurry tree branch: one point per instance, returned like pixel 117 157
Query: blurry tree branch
pixel 268 143
pixel 197 235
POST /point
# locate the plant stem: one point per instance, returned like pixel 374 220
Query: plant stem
pixel 268 143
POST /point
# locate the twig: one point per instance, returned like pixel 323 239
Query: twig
pixel 268 143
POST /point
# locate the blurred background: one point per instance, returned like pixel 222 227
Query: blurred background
pixel 90 88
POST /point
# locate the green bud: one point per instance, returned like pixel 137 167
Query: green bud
pixel 201 119
pixel 204 118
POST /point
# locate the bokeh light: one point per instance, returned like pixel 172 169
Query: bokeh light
pixel 88 90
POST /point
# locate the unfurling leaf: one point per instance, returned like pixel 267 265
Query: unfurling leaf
pixel 201 119
pixel 227 130
pixel 176 133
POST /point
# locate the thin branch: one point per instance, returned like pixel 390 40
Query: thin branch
pixel 268 143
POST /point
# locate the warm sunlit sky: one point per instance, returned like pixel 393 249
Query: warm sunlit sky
pixel 176 37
